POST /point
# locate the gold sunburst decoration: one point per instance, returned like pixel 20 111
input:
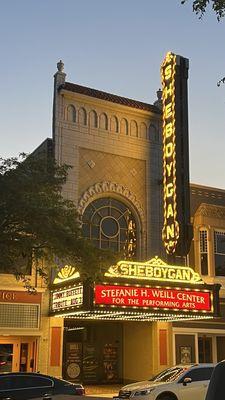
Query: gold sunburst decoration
pixel 66 273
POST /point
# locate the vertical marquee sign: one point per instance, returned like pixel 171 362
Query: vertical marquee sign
pixel 177 232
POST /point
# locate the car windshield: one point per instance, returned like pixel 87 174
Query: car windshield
pixel 168 375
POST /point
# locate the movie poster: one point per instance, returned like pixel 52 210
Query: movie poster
pixel 90 363
pixel 73 361
pixel 110 363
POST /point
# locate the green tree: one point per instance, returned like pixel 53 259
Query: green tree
pixel 200 6
pixel 37 224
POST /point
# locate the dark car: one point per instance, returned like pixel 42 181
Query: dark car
pixel 25 386
pixel 216 389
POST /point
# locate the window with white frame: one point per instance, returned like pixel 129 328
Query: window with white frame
pixel 204 251
pixel 219 252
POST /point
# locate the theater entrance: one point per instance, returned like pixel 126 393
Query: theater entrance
pixel 93 352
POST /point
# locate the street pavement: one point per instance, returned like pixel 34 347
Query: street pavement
pixel 68 397
pixel 92 393
pixel 106 391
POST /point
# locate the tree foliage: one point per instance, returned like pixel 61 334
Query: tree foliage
pixel 200 6
pixel 38 225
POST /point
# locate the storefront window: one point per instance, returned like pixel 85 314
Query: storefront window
pixel 219 253
pixel 204 252
pixel 220 345
pixel 205 349
pixel 110 224
pixel 6 356
pixel 185 349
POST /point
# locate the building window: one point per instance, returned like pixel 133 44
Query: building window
pixel 133 128
pixel 82 116
pixel 71 113
pixel 219 252
pixel 153 133
pixel 205 349
pixel 93 119
pixel 103 121
pixel 110 224
pixel 204 252
pixel 124 126
pixel 114 124
pixel 143 131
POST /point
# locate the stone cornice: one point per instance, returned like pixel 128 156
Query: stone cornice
pixel 210 210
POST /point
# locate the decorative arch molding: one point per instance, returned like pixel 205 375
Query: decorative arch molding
pixel 108 187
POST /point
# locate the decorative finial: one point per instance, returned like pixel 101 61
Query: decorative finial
pixel 159 94
pixel 60 66
pixel 158 102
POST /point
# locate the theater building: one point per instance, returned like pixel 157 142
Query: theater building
pixel 115 147
pixel 142 315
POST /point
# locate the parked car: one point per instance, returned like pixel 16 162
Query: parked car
pixel 181 382
pixel 216 388
pixel 25 386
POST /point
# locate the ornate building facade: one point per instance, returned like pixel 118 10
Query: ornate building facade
pixel 114 145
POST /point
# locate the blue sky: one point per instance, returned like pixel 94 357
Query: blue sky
pixel 116 46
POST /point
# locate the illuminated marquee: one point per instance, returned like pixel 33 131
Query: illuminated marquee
pixel 139 291
pixel 67 298
pixel 66 273
pixel 170 232
pixel 153 297
pixel 154 270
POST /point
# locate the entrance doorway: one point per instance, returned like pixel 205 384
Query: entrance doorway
pixel 18 354
pixel 93 352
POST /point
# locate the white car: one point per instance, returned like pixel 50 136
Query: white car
pixel 182 382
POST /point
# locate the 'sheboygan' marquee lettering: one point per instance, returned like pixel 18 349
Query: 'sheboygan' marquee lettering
pixel 171 227
pixel 153 270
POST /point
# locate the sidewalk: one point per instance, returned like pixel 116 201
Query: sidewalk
pixel 102 390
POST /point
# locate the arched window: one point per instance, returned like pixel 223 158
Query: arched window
pixel 133 128
pixel 219 252
pixel 124 126
pixel 114 124
pixel 143 131
pixel 93 119
pixel 203 243
pixel 110 224
pixel 82 116
pixel 153 133
pixel 103 121
pixel 71 113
